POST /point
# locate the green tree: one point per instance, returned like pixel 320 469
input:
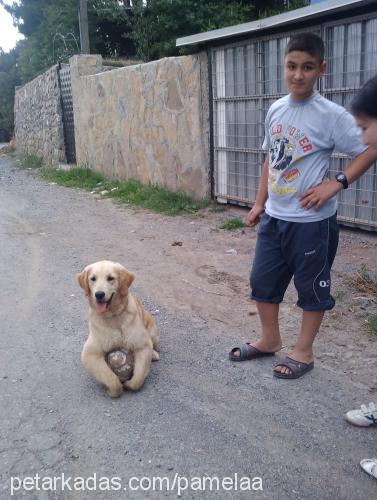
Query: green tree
pixel 154 25
pixel 147 28
pixel 46 25
pixel 8 80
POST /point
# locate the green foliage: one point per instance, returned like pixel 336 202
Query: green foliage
pixel 372 323
pixel 339 295
pixel 8 80
pixel 158 23
pixel 30 161
pixel 79 177
pixel 130 192
pixel 232 224
pixel 151 27
pixel 50 28
pixel 218 207
pixel 144 28
pixel 365 280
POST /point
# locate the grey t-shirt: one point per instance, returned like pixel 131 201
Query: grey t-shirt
pixel 300 137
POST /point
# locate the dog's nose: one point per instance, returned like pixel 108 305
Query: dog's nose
pixel 100 295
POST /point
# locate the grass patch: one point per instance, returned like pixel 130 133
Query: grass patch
pixel 8 150
pixel 155 198
pixel 232 224
pixel 372 323
pixel 365 281
pixel 30 161
pixel 339 295
pixel 78 177
pixel 131 192
pixel 218 207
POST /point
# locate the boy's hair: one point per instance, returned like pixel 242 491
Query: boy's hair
pixel 307 42
pixel 365 101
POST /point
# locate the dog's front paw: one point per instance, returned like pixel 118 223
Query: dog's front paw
pixel 133 384
pixel 115 391
pixel 155 356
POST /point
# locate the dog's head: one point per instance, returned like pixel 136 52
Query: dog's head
pixel 106 285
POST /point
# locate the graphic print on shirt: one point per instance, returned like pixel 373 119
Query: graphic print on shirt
pixel 285 142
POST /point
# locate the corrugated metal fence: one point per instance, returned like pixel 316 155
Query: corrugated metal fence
pixel 248 76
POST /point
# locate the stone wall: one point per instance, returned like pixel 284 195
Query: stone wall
pixel 38 118
pixel 148 122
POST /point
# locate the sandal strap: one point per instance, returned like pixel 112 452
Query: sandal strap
pixel 292 364
pixel 247 349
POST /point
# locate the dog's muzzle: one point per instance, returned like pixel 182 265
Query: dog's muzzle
pixel 101 304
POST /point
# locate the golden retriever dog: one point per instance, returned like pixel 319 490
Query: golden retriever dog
pixel 117 320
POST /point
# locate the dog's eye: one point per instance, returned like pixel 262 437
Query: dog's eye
pixel 110 278
pixel 93 278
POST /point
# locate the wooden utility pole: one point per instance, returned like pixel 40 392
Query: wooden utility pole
pixel 84 29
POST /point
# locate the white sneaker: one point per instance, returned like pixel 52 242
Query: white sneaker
pixel 370 466
pixel 366 416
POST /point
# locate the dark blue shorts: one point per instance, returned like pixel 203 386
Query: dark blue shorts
pixel 304 250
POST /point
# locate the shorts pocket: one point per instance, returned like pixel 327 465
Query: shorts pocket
pixel 264 223
pixel 324 228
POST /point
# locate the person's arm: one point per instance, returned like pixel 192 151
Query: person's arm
pixel 318 195
pixel 253 217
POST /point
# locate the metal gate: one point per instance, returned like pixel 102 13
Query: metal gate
pixel 247 77
pixel 67 109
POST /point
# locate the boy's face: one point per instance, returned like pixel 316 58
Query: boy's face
pixel 369 127
pixel 301 72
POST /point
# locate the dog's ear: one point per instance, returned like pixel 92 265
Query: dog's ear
pixel 82 280
pixel 125 280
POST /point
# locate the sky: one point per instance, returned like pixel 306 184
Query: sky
pixel 8 33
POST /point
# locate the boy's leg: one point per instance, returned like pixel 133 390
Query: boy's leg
pixel 269 280
pixel 269 318
pixel 312 256
pixel 303 350
pixel 270 340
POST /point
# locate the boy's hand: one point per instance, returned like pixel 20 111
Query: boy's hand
pixel 315 197
pixel 253 217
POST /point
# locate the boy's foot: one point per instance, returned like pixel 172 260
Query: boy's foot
pixel 295 358
pixel 369 465
pixel 247 351
pixel 364 417
pixel 289 368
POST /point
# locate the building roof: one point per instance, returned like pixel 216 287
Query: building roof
pixel 314 11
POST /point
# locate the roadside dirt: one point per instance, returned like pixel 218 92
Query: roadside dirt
pixel 197 269
pixel 194 268
pixel 198 414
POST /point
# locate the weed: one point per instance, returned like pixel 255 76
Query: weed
pixel 155 198
pixel 372 323
pixel 30 161
pixel 216 208
pixel 131 192
pixel 339 295
pixel 232 224
pixel 365 281
pixel 78 177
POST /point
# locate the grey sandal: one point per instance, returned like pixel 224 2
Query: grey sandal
pixel 297 368
pixel 247 352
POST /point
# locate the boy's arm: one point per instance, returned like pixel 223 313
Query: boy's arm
pixel 318 195
pixel 253 217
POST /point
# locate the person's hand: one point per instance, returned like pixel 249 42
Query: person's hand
pixel 315 197
pixel 253 217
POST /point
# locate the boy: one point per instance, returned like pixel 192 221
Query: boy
pixel 364 108
pixel 298 233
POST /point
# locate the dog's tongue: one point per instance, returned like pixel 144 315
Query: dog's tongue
pixel 101 306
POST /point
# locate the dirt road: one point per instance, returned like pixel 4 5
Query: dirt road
pixel 198 415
